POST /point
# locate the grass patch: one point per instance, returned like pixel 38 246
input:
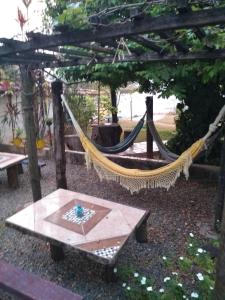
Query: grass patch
pixel 165 134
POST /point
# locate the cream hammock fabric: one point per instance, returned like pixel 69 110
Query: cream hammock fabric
pixel 134 179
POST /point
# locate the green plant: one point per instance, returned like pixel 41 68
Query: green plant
pixel 18 132
pixel 83 109
pixel 106 107
pixel 188 277
pixel 10 118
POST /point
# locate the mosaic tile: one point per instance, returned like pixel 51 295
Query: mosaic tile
pixel 72 217
pixel 107 252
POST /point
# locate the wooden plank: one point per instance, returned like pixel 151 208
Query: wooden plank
pixel 183 8
pixel 147 43
pixel 145 57
pixel 147 24
pixel 31 287
pixel 73 52
pixel 173 40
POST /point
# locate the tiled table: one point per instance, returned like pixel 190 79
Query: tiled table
pixel 10 162
pixel 100 233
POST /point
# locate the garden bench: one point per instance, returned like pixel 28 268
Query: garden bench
pixel 41 164
pixel 29 286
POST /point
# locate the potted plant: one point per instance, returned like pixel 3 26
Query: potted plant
pixel 17 141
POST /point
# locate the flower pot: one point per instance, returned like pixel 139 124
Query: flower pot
pixel 40 144
pixel 17 141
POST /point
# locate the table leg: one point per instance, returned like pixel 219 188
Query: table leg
pixel 141 232
pixel 12 173
pixel 57 252
pixel 109 275
pixel 20 168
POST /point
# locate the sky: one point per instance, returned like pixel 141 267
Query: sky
pixel 9 27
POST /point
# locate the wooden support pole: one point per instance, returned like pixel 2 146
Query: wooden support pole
pixel 149 107
pixel 220 191
pixel 27 107
pixel 220 224
pixel 114 105
pixel 59 144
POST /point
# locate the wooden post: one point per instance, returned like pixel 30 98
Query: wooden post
pixel 12 174
pixel 28 115
pixel 149 107
pixel 220 191
pixel 141 231
pixel 59 143
pixel 108 274
pixel 56 252
pixel 114 105
pixel 220 267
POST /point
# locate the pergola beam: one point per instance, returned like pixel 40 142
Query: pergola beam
pixel 183 8
pixel 173 41
pixel 147 43
pixel 146 57
pixel 72 52
pixel 147 24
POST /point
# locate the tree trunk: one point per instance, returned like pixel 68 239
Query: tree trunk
pixel 27 107
pixel 59 143
pixel 114 105
pixel 220 268
pixel 149 107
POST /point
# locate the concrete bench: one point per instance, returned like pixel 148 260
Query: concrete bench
pixel 31 287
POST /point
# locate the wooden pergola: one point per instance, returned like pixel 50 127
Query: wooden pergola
pixel 99 44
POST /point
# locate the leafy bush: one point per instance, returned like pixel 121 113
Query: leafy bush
pixel 83 109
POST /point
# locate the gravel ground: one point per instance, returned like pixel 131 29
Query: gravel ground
pixel 184 208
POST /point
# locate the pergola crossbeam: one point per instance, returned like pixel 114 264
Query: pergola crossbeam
pixel 146 57
pixel 145 25
pixel 147 43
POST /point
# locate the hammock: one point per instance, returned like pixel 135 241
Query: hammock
pixel 170 156
pixel 134 179
pixel 126 143
pixel 166 153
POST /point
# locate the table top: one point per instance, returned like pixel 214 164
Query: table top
pixel 100 232
pixel 10 159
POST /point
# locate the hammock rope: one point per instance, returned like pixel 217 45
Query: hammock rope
pixel 170 156
pixel 134 179
pixel 126 143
